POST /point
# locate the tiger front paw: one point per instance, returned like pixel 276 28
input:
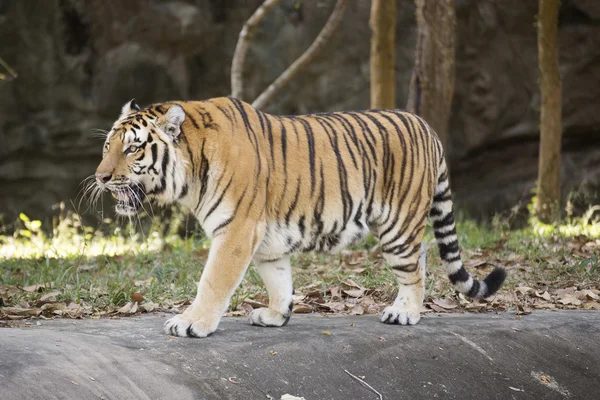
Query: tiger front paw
pixel 400 316
pixel 182 326
pixel 268 317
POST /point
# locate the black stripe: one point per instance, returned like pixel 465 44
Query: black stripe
pixel 216 204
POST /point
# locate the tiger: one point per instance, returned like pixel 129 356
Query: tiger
pixel 264 187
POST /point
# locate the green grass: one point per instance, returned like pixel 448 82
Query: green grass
pixel 98 269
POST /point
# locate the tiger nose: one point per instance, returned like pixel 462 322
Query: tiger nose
pixel 103 178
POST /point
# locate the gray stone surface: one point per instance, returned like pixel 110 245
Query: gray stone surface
pixel 546 355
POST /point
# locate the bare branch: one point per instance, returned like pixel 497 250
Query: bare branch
pixel 12 74
pixel 302 62
pixel 239 55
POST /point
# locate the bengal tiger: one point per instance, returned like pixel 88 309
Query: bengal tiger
pixel 264 187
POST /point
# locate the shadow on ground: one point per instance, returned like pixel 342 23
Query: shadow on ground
pixel 545 355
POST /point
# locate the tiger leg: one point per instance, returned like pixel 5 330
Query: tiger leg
pixel 228 259
pixel 277 277
pixel 410 274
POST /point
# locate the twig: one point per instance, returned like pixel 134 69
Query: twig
pixel 239 55
pixel 13 74
pixel 320 42
pixel 365 384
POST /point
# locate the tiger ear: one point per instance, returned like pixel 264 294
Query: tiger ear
pixel 128 108
pixel 170 123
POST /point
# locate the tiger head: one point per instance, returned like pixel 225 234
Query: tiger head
pixel 139 159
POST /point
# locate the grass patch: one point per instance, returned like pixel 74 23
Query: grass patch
pixel 73 270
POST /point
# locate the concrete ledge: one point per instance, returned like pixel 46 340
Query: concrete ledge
pixel 544 355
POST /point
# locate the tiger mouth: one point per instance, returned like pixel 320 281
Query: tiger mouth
pixel 129 200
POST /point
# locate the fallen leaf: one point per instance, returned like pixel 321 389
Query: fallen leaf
pixel 26 312
pixel 53 307
pixel 524 289
pixel 334 306
pixel 545 295
pixel 34 288
pixel 314 293
pixel 335 292
pixel 570 300
pixel 302 309
pixel 446 303
pixel 438 308
pixel 326 333
pixel 254 303
pixel 125 309
pixel 355 292
pixel 475 264
pixel 522 310
pixel 49 297
pixel 351 284
pixel 149 306
pixel 136 297
pixel 357 310
pixel 586 294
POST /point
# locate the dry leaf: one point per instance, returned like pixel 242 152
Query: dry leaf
pixel 53 307
pixel 355 292
pixel 335 292
pixel 326 333
pixel 149 306
pixel 333 306
pixel 49 297
pixel 254 303
pixel 521 310
pixel 586 294
pixel 314 294
pixel 446 303
pixel 34 288
pixel 545 295
pixel 125 309
pixel 524 289
pixel 26 312
pixel 438 308
pixel 570 300
pixel 136 297
pixel 302 309
pixel 357 310
pixel 475 264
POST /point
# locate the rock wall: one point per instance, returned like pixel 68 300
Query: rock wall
pixel 79 61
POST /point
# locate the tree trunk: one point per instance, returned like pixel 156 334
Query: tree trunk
pixel 547 206
pixel 432 83
pixel 383 73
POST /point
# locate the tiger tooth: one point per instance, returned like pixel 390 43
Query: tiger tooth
pixel 113 194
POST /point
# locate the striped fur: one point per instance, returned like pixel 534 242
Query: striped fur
pixel 264 187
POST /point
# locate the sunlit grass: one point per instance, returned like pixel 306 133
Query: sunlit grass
pixel 100 268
